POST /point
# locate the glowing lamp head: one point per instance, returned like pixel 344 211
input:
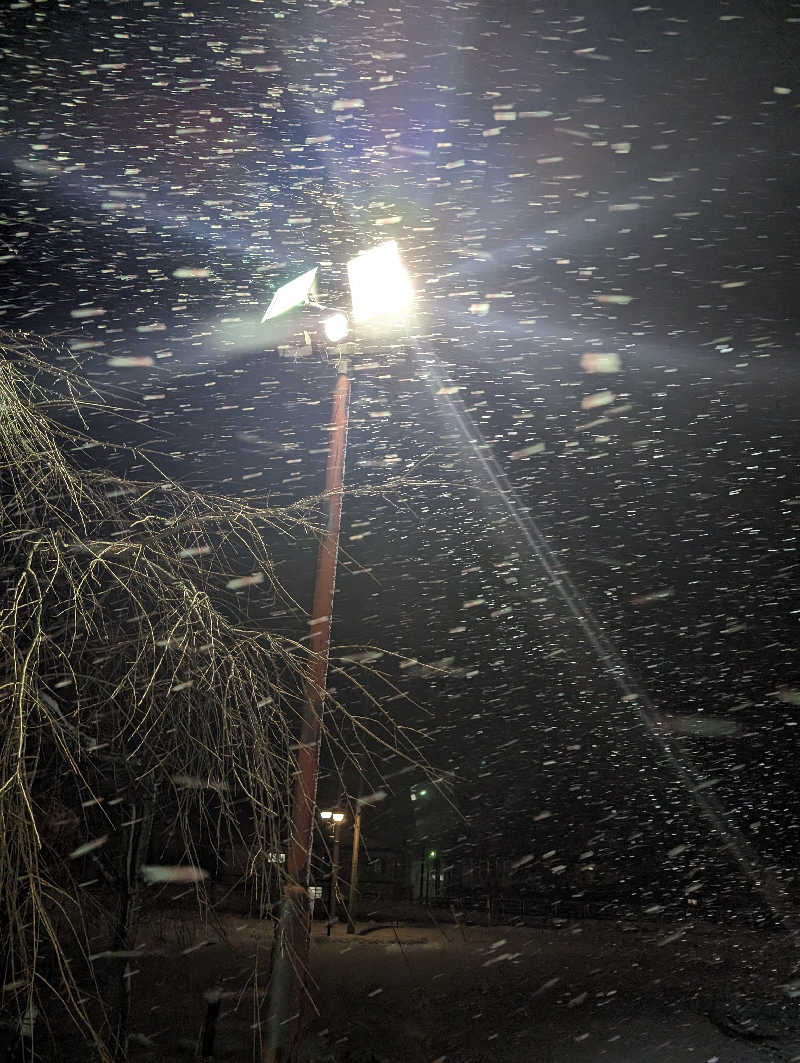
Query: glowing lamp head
pixel 335 327
pixel 325 815
pixel 338 817
pixel 379 283
pixel 298 292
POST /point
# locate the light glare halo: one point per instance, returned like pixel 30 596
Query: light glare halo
pixel 336 327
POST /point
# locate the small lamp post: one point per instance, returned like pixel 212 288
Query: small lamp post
pixel 334 819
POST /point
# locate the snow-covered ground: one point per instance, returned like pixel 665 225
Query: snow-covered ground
pixel 448 994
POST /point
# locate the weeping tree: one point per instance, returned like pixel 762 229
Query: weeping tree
pixel 133 688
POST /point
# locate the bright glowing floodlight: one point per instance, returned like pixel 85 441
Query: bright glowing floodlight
pixel 379 283
pixel 338 817
pixel 325 815
pixel 336 327
pixel 299 292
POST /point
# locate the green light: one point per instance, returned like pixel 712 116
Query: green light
pixel 432 854
pixel 422 793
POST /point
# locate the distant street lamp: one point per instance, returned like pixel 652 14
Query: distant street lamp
pixel 335 819
pixel 381 295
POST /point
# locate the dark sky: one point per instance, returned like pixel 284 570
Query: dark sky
pixel 598 203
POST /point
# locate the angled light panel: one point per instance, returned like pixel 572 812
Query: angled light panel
pixel 379 283
pixel 299 292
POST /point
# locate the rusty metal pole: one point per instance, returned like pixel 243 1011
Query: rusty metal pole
pixel 287 995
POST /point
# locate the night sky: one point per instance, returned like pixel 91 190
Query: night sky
pixel 598 205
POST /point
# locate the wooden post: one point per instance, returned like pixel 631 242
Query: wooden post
pixel 128 913
pixel 351 899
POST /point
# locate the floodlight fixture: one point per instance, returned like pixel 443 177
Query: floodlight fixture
pixel 338 817
pixel 325 815
pixel 299 292
pixel 379 283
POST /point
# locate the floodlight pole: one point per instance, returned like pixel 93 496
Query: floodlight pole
pixel 288 991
